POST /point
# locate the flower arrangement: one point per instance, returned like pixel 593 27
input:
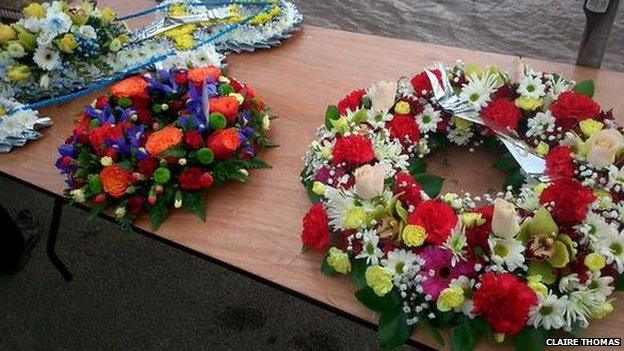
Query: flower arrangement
pixel 538 257
pixel 159 139
pixel 19 127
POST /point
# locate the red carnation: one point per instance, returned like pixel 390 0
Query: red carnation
pixel 181 77
pixel 315 234
pixel 193 139
pixel 98 136
pixel 502 113
pixel 194 178
pixel 422 85
pixel 575 106
pixel 352 102
pixel 437 218
pixel 136 203
pixel 144 115
pixel 82 129
pixel 224 143
pixel 101 102
pixel 504 301
pixel 408 189
pixel 559 163
pixel 355 150
pixel 477 236
pixel 147 166
pixel 571 200
pixel 403 127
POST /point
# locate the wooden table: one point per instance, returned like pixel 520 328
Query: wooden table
pixel 255 227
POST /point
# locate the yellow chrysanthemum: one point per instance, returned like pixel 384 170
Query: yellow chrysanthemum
pixel 528 104
pixel 178 9
pixel 356 218
pixel 590 126
pixel 402 108
pixel 18 73
pixel 185 42
pixel 595 261
pixel 472 219
pixel 108 15
pixel 542 148
pixel 318 188
pixel 535 283
pixel 34 10
pixel 450 298
pixel 7 33
pixel 379 279
pixel 339 261
pixel 462 124
pixel 414 235
pixel 67 43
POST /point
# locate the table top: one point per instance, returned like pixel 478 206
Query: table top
pixel 256 226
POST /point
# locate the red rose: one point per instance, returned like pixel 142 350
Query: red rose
pixel 315 234
pixel 571 200
pixel 575 106
pixel 422 85
pixel 82 129
pixel 504 301
pixel 147 166
pixel 194 139
pixel 101 102
pixel 403 127
pixel 559 163
pixel 437 218
pixel 352 102
pixel 502 113
pixel 477 236
pixel 194 178
pixel 136 203
pixel 408 189
pixel 181 77
pixel 354 150
pixel 226 105
pixel 224 143
pixel 98 136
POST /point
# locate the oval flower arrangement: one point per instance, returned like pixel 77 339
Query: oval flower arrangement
pixel 159 139
pixel 540 256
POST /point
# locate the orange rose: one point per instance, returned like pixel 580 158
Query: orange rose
pixel 163 139
pixel 224 143
pixel 115 180
pixel 134 86
pixel 226 105
pixel 197 75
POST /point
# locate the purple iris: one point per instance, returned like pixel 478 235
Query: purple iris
pixel 104 116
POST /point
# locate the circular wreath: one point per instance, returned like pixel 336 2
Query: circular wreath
pixel 537 257
pixel 159 139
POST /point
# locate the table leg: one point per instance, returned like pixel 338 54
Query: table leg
pixel 51 244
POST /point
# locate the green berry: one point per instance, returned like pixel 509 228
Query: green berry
pixel 94 123
pixel 205 155
pixel 162 175
pixel 225 90
pixel 217 121
pixel 124 102
pixel 157 108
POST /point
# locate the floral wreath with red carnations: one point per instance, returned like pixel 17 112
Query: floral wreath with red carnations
pixel 544 254
pixel 161 138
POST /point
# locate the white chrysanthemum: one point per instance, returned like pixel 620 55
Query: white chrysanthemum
pixel 87 32
pixel 570 282
pixel 528 199
pixel 58 22
pixel 428 120
pixel 478 90
pixel 47 58
pixel 399 263
pixel 549 312
pixel 370 247
pixel 508 251
pixel 457 240
pixel 338 205
pixel 610 244
pixel 616 176
pixel 602 285
pixel 459 136
pixel 540 124
pixel 557 86
pixel 532 87
pixel 581 305
pixel 33 24
pixel 390 152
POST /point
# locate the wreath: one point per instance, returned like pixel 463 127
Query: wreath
pixel 544 254
pixel 159 139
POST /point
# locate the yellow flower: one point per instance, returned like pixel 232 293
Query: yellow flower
pixel 379 279
pixel 2 111
pixel 535 283
pixel 185 42
pixel 123 38
pixel 181 31
pixel 7 33
pixel 341 125
pixel 590 126
pixel 115 45
pixel 34 10
pixel 413 235
pixel 594 262
pixel 19 73
pixel 239 97
pixel 402 108
pixel 27 39
pixel 108 15
pixel 356 218
pixel 339 261
pixel 462 124
pixel 527 103
pixel 450 298
pixel 67 43
pixel 603 310
pixel 318 188
pixel 472 219
pixel 542 148
pixel 106 161
pixel 178 9
pixel 265 17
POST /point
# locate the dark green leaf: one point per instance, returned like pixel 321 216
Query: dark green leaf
pixel 490 143
pixel 483 328
pixel 176 152
pixel 585 87
pixel 531 339
pixel 619 286
pixel 515 179
pixel 417 165
pixel 332 114
pixel 194 201
pixel 358 271
pixel 327 269
pixel 380 304
pixel 463 336
pixel 431 329
pixel 577 330
pixel 393 329
pixel 430 184
pixel 158 214
pixel 506 163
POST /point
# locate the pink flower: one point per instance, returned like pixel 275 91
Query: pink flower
pixel 439 270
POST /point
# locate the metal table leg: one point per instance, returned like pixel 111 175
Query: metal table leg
pixel 51 244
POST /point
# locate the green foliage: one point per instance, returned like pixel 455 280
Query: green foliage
pixel 358 271
pixel 585 87
pixel 194 202
pixel 331 114
pixel 381 304
pixel 231 169
pixel 506 163
pixel 515 179
pixel 430 184
pixel 464 335
pixel 393 328
pixel 327 269
pixel 431 329
pixel 417 166
pixel 531 339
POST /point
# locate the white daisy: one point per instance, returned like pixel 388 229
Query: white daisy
pixel 557 86
pixel 602 285
pixel 610 244
pixel 581 305
pixel 338 205
pixel 370 247
pixel 532 87
pixel 570 282
pixel 399 263
pixel 46 58
pixel 508 251
pixel 549 312
pixel 478 90
pixel 428 120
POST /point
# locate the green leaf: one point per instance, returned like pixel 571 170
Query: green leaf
pixel 358 271
pixel 585 87
pixel 463 336
pixel 515 179
pixel 327 269
pixel 531 339
pixel 176 152
pixel 490 143
pixel 194 201
pixel 620 284
pixel 380 304
pixel 158 214
pixel 577 330
pixel 431 184
pixel 417 165
pixel 431 329
pixel 331 114
pixel 393 328
pixel 506 163
pixel 483 328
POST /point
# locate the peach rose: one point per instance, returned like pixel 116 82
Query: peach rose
pixel 226 105
pixel 115 180
pixel 603 146
pixel 197 75
pixel 163 139
pixel 134 86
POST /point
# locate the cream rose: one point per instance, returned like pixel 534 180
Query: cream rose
pixel 603 146
pixel 369 181
pixel 505 221
pixel 382 95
